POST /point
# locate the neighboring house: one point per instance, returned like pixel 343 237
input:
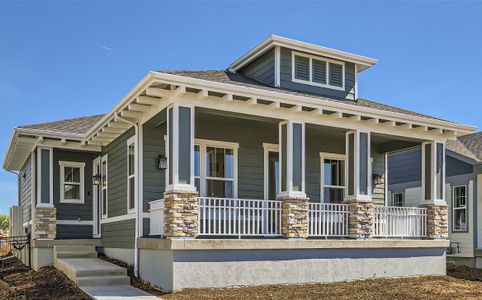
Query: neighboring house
pixel 272 171
pixel 464 192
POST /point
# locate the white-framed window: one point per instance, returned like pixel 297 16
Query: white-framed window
pixel 397 199
pixel 332 178
pixel 271 171
pixel 317 71
pixel 104 186
pixel 72 182
pixel 131 174
pixel 216 168
pixel 459 208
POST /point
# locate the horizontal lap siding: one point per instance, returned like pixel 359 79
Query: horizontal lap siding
pixel 74 231
pixel 261 69
pixel 117 174
pixel 70 211
pixel 118 234
pixel 154 146
pixel 286 80
pixel 405 166
pixel 378 167
pixel 456 167
pixel 25 190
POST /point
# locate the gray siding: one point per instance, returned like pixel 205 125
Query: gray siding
pixel 118 234
pixel 74 232
pixel 261 69
pixel 455 167
pixel 286 80
pixel 25 190
pixel 405 166
pixel 117 174
pixel 70 211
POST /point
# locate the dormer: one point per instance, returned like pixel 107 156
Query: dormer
pixel 294 65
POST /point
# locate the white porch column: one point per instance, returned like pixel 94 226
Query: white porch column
pixel 359 183
pixel 181 197
pixel 433 189
pixel 292 175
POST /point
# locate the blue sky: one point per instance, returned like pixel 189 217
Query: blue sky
pixel 67 59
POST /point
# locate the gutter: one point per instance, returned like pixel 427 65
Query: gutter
pixel 139 203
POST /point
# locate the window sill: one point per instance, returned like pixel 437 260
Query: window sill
pixel 72 201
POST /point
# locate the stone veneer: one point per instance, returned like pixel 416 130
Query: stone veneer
pixel 294 215
pixel 361 219
pixel 45 223
pixel 437 221
pixel 180 214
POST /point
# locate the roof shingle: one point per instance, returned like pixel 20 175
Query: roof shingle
pixel 76 125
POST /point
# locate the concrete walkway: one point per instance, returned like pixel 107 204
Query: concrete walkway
pixel 99 279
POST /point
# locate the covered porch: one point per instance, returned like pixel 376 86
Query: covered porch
pixel 251 176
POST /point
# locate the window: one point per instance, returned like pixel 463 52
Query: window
pixel 459 213
pixel 271 171
pixel 313 70
pixel 332 178
pixel 131 174
pixel 397 199
pixel 215 166
pixel 104 185
pixel 72 182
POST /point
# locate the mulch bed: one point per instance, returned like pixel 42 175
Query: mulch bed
pixel 20 282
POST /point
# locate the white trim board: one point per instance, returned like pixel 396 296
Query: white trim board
pixel 74 222
pixel 130 216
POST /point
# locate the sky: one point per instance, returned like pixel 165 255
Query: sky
pixel 67 59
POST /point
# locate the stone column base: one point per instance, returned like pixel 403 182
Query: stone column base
pixel 181 214
pixel 45 223
pixel 361 219
pixel 437 221
pixel 294 216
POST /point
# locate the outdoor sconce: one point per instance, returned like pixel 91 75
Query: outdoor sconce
pixel 162 162
pixel 377 179
pixel 96 179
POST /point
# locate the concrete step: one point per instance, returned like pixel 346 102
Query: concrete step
pixel 87 267
pixel 103 280
pixel 74 248
pixel 110 292
pixel 75 254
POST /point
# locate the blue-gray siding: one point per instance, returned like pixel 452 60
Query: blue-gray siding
pixel 25 190
pixel 405 166
pixel 262 69
pixel 74 231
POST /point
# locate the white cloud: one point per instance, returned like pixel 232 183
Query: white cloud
pixel 104 47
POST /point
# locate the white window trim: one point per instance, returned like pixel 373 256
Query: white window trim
pixel 131 141
pixel 72 164
pixel 459 208
pixel 203 144
pixel 333 156
pixel 310 82
pixel 393 199
pixel 104 210
pixel 39 178
pixel 267 149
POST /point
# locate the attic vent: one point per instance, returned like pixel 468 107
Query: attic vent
pixel 302 68
pixel 319 71
pixel 336 75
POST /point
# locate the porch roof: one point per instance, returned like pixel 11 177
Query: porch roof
pixel 468 145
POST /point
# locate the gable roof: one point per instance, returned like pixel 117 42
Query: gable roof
pixel 469 145
pixel 69 126
pixel 228 77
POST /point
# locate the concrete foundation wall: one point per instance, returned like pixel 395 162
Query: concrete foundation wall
pixel 176 270
pixel 42 257
pixel 122 254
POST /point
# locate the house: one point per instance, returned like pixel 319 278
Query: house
pixel 464 193
pixel 271 171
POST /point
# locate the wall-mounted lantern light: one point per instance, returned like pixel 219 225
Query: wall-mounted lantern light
pixel 162 162
pixel 96 179
pixel 377 179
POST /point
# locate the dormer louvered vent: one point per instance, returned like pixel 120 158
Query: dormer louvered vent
pixel 336 74
pixel 302 68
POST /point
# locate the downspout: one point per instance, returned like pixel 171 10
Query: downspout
pixel 138 207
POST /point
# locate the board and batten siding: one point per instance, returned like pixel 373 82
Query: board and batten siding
pixel 261 69
pixel 73 211
pixel 25 190
pixel 287 82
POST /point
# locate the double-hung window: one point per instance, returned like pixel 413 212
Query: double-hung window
pixel 72 182
pixel 459 213
pixel 317 71
pixel 332 178
pixel 104 185
pixel 131 174
pixel 397 199
pixel 215 166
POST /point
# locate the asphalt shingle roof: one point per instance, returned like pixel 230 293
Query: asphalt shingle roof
pixel 224 76
pixel 77 125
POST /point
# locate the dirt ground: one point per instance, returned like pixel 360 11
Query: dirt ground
pixel 462 283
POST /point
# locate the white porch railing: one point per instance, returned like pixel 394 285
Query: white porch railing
pixel 239 217
pixel 156 216
pixel 394 221
pixel 328 220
